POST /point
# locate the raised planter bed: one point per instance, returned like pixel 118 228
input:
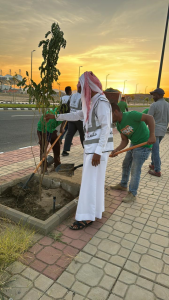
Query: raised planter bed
pixel 14 202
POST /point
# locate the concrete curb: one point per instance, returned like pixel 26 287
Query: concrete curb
pixel 46 226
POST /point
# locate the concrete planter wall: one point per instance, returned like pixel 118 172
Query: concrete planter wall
pixel 46 226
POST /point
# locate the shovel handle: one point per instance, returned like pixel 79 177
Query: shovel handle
pixel 130 148
pixel 49 150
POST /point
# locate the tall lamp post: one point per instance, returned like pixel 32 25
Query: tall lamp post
pixel 163 50
pixel 79 70
pixel 136 88
pixel 106 80
pixel 146 89
pixel 124 86
pixel 31 63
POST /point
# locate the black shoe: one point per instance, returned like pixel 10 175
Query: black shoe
pixel 64 153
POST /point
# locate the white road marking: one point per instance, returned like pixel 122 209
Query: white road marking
pixel 13 116
pixel 25 147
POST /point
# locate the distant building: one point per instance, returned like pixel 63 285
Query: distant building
pixel 8 81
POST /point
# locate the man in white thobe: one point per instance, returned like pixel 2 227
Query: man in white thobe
pixel 96 114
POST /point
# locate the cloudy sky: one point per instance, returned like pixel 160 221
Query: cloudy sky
pixel 122 38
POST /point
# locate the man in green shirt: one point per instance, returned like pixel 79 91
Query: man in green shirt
pixel 133 126
pixel 145 111
pixel 123 105
pixel 47 133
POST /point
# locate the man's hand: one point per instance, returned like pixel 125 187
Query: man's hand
pixel 96 160
pixel 49 116
pixel 113 153
pixel 62 130
pixel 151 140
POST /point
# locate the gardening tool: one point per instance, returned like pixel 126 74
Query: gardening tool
pixel 24 186
pixel 50 160
pixel 67 169
pixel 130 148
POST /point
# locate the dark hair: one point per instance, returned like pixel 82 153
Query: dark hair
pixel 123 97
pixel 67 89
pixel 115 107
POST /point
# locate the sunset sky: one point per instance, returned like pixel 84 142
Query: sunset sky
pixel 122 38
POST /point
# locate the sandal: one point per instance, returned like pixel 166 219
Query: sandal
pixel 80 225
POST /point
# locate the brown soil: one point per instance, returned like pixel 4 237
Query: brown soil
pixel 29 202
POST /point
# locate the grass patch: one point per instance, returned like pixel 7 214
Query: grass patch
pixel 14 241
pixel 56 237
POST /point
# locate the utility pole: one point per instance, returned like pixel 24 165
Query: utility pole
pixel 163 50
pixel 79 70
pixel 31 63
pixel 124 86
pixel 106 80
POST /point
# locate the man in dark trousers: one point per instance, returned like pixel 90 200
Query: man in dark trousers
pixel 160 111
pixel 66 100
pixel 73 126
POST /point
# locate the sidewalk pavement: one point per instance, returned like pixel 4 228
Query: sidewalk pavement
pixel 125 255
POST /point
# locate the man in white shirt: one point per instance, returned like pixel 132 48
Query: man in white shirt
pixel 96 114
pixel 66 100
pixel 74 126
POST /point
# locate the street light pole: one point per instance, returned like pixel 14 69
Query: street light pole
pixel 79 70
pixel 163 50
pixel 136 88
pixel 124 86
pixel 106 81
pixel 31 63
pixel 146 89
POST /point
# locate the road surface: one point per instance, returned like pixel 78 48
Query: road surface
pixel 18 129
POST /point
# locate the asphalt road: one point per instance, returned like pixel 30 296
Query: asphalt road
pixel 18 129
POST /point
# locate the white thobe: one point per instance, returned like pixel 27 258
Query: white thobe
pixel 91 198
